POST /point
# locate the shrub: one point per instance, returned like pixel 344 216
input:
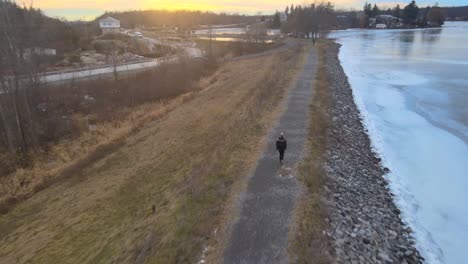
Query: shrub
pixel 67 110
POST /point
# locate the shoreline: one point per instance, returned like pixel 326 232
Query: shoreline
pixel 364 223
pixel 393 28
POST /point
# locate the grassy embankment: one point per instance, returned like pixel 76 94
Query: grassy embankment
pixel 84 120
pixel 234 48
pixel 184 163
pixel 68 132
pixel 219 49
pixel 308 243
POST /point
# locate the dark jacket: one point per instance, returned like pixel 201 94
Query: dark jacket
pixel 281 143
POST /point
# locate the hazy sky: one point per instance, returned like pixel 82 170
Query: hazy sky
pixel 89 9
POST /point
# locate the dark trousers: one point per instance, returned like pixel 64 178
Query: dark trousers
pixel 281 152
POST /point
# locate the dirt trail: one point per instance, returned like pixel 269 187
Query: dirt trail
pixel 261 232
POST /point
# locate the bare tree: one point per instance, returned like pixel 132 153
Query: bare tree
pixel 311 21
pixel 325 20
pixel 111 50
pixel 18 75
pixel 210 34
pixel 256 33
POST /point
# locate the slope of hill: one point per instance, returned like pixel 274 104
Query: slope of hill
pixel 29 27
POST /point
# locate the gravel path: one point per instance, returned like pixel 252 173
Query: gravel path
pixel 261 233
pixel 365 224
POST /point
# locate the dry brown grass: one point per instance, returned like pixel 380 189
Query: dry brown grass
pixel 63 112
pixel 70 156
pixel 308 244
pixel 184 164
pixel 64 141
pixel 221 49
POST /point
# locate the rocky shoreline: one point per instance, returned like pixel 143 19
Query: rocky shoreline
pixel 364 222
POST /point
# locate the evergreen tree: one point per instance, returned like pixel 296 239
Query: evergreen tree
pixel 276 20
pixel 410 13
pixel 397 11
pixel 367 9
pixel 375 11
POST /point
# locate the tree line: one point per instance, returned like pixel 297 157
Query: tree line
pixel 456 13
pixel 311 20
pixel 20 29
pixel 182 19
pixel 24 33
pixel 411 14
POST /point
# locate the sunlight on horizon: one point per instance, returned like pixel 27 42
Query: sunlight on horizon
pixel 90 9
pixel 203 5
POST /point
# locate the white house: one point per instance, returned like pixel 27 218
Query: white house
pixel 388 20
pixel 283 17
pixel 109 25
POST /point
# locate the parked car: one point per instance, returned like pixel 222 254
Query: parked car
pixel 138 35
pixel 381 26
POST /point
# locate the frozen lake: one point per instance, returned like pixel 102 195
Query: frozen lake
pixel 231 31
pixel 411 87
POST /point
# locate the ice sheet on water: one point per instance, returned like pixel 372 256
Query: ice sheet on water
pixel 429 164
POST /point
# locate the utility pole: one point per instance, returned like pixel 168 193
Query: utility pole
pixel 210 32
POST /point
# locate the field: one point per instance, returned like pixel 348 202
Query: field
pixel 156 195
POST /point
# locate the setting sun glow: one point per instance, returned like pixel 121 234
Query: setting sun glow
pixel 91 9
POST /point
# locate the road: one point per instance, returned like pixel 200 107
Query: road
pixel 94 72
pixel 261 233
pixel 189 48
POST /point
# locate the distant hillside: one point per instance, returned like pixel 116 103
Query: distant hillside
pixel 180 19
pixel 456 13
pixel 29 27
